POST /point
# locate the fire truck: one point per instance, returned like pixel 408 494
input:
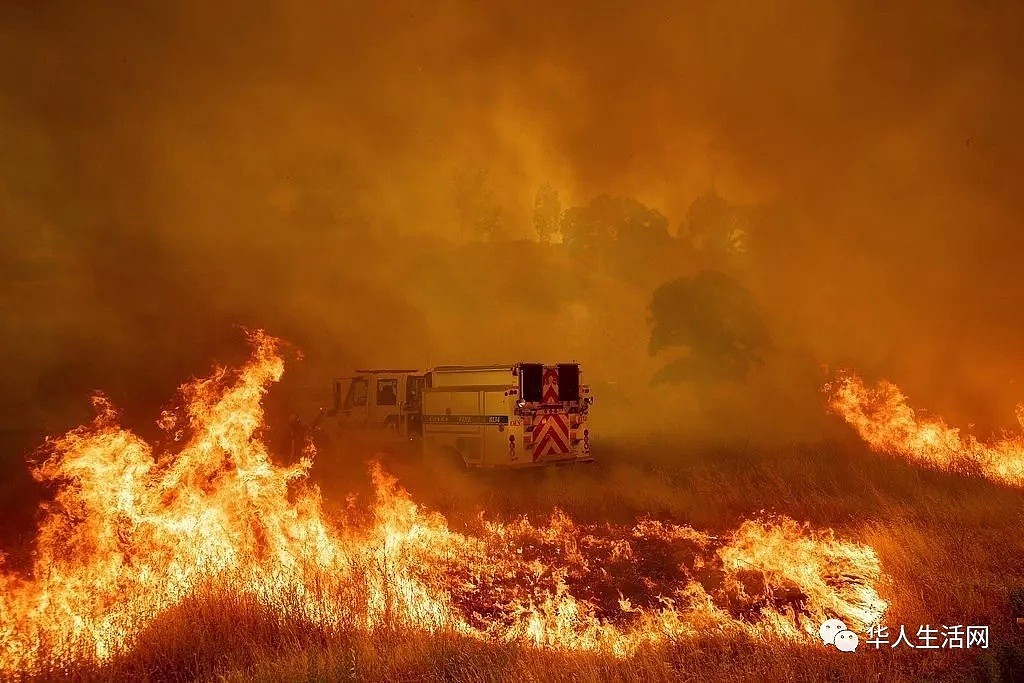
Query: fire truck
pixel 490 416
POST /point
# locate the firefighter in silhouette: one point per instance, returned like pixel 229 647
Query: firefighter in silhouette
pixel 295 438
pixel 297 434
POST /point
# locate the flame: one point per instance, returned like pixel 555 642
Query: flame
pixel 881 416
pixel 135 530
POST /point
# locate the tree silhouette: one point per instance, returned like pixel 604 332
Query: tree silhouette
pixel 479 214
pixel 547 213
pixel 620 221
pixel 717 229
pixel 714 320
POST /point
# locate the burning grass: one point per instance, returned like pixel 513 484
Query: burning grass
pixel 205 560
pixel 883 418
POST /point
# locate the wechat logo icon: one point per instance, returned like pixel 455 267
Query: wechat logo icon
pixel 834 632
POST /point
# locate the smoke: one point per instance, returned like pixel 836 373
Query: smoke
pixel 171 171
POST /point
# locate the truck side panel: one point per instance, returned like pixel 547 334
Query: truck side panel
pixel 495 436
pixel 473 420
pixel 451 420
pixel 476 377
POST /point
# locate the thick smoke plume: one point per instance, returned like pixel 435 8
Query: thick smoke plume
pixel 362 182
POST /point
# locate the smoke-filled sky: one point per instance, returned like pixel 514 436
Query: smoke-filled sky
pixel 170 171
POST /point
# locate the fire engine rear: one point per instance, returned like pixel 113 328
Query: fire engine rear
pixel 511 415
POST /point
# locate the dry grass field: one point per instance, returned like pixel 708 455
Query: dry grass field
pixel 201 556
pixel 950 549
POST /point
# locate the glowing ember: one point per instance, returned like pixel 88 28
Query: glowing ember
pixel 881 416
pixel 133 533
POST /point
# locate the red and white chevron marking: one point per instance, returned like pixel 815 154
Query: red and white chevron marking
pixel 550 435
pixel 550 394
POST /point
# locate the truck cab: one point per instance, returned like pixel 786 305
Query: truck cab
pixel 380 398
